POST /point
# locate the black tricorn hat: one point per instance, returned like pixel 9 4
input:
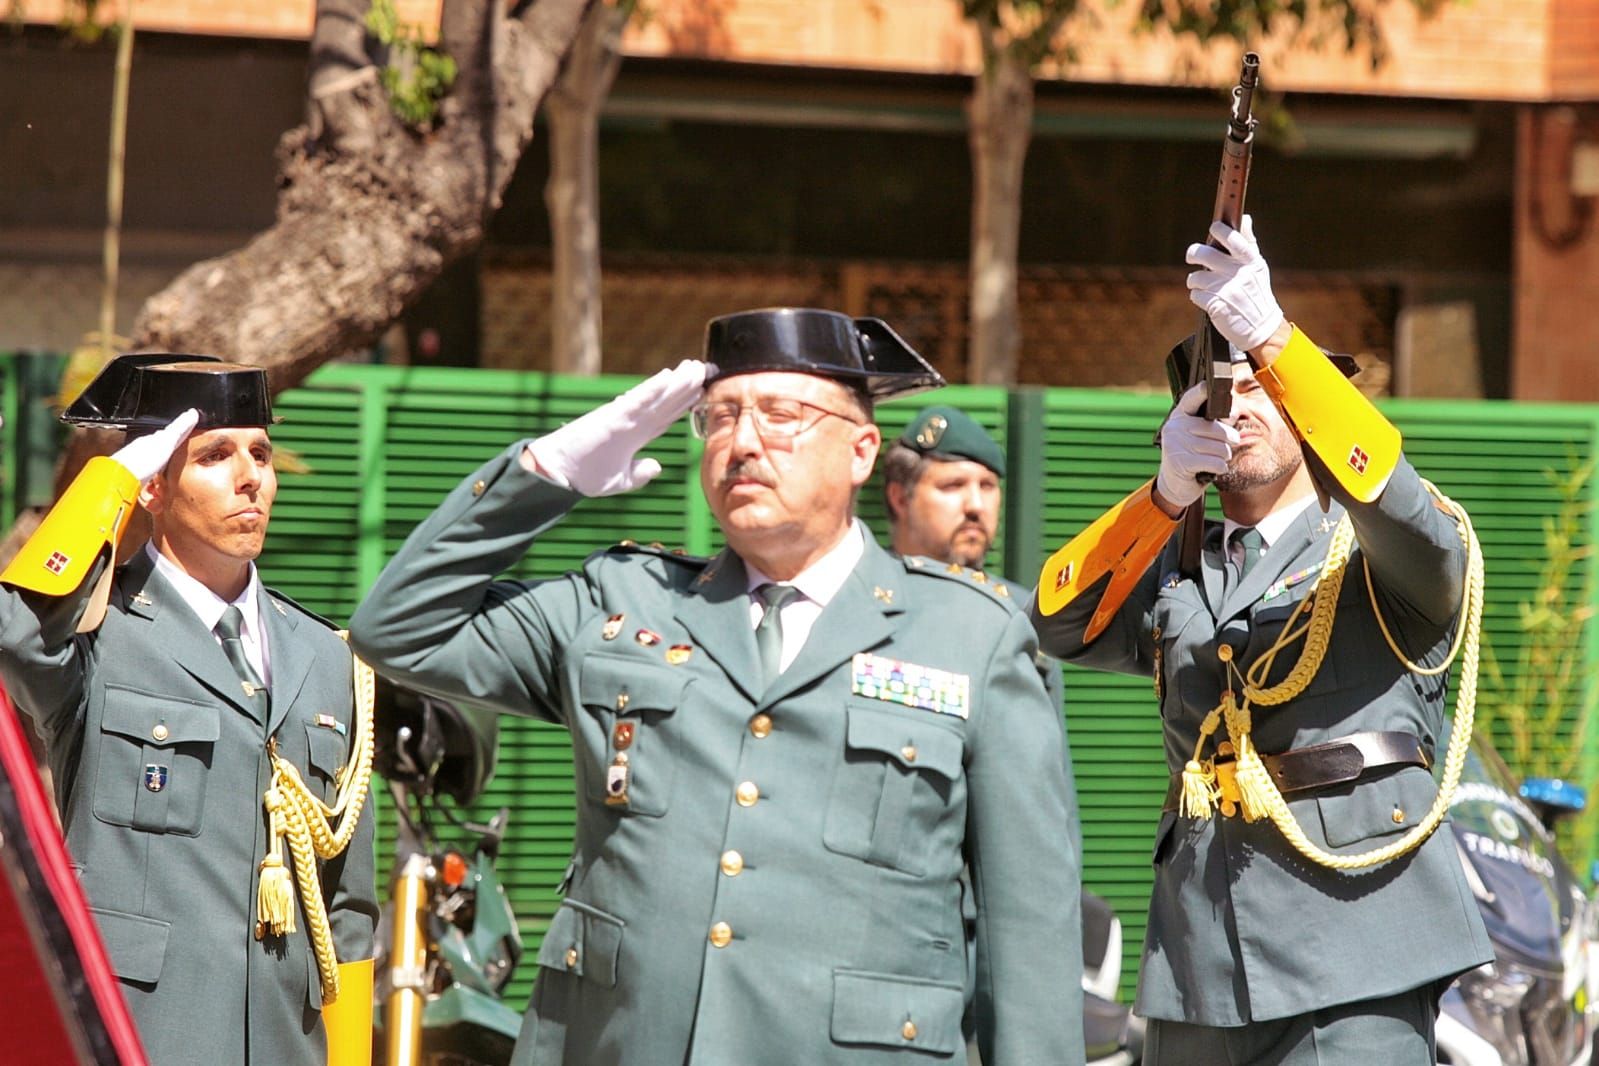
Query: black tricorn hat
pixel 860 352
pixel 146 391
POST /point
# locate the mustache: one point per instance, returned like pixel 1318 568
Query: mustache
pixel 747 470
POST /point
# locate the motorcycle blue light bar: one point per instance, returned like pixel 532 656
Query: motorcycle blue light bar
pixel 1553 792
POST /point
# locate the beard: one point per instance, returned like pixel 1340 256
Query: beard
pixel 1275 457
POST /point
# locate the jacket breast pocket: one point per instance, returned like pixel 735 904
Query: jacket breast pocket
pixel 325 753
pixel 632 701
pixel 893 787
pixel 155 755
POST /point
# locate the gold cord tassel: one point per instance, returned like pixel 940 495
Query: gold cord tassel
pixel 274 897
pixel 1199 792
pixel 1199 789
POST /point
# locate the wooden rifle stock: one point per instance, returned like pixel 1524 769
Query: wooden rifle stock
pixel 1210 361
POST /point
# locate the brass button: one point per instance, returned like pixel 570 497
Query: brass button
pixel 732 863
pixel 908 1030
pixel 1399 815
pixel 160 732
pixel 761 726
pixel 478 487
pixel 721 935
pixel 1224 652
pixel 747 794
pixel 571 957
pixel 909 752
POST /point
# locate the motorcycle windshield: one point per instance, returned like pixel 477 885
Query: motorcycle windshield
pixel 1528 902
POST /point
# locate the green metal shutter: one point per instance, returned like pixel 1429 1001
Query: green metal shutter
pixel 385 444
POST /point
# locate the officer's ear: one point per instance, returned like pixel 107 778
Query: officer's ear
pixel 153 493
pixel 896 501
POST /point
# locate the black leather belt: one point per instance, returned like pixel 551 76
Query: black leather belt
pixel 1336 762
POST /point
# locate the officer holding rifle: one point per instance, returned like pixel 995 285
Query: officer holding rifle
pixel 1303 910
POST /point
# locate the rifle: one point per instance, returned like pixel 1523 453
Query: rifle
pixel 1204 358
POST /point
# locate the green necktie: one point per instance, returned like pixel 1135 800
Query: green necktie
pixel 1248 538
pixel 229 628
pixel 769 632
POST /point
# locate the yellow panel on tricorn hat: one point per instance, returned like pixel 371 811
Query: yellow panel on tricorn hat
pixel 863 353
pixel 146 391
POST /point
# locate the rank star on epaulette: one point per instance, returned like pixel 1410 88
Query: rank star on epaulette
pixel 910 685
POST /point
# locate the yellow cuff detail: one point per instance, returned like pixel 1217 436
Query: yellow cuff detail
pixel 348 1019
pixel 90 516
pixel 1325 410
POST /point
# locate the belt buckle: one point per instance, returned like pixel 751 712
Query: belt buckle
pixel 1226 766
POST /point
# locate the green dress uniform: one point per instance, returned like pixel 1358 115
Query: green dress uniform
pixel 160 762
pixel 1242 929
pixel 762 873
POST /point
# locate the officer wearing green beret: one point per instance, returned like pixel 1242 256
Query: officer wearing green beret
pixel 197 724
pixel 785 755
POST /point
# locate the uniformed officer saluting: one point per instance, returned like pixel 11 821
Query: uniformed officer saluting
pixel 783 754
pixel 189 715
pixel 1304 910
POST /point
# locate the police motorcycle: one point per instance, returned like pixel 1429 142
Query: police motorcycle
pixel 447 940
pixel 1112 1034
pixel 1536 1003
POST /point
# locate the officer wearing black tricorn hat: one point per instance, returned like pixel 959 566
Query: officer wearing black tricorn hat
pixel 783 754
pixel 195 721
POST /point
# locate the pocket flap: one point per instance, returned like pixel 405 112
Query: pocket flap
pixel 136 945
pixel 630 685
pixel 893 1011
pixel 1376 808
pixel 584 942
pixel 326 749
pixel 914 743
pixel 160 721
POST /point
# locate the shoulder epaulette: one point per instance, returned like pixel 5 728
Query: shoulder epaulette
pixel 994 588
pixel 676 555
pixel 282 603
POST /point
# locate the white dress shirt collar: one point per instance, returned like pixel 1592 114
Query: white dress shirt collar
pixel 1273 526
pixel 208 607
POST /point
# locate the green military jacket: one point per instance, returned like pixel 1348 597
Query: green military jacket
pixel 160 765
pixel 1241 927
pixel 780 879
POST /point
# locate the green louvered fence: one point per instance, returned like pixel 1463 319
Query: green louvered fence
pixel 384 444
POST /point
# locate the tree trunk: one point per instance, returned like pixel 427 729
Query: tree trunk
pixel 572 193
pixel 369 211
pixel 999 117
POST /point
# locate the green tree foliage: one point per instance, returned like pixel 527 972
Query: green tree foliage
pixel 416 77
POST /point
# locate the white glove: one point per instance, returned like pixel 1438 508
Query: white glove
pixel 1190 445
pixel 1234 288
pixel 147 456
pixel 594 454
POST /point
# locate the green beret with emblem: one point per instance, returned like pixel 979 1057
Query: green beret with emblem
pixel 944 432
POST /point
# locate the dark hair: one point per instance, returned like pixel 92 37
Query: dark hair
pixel 902 466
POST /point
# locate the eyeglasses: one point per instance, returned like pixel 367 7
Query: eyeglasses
pixel 774 417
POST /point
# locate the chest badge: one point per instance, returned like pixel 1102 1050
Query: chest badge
pixel 613 626
pixel 622 736
pixel 647 637
pixel 155 777
pixel 678 654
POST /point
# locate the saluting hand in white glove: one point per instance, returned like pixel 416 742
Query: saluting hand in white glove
pixel 1234 286
pixel 146 456
pixel 594 454
pixel 1191 445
